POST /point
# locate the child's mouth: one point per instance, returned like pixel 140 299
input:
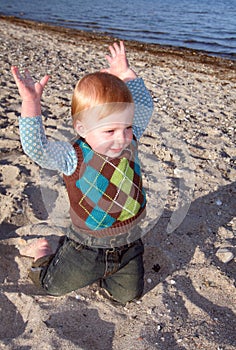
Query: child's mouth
pixel 116 150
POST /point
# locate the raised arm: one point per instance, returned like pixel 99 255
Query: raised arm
pixel 119 66
pixel 55 155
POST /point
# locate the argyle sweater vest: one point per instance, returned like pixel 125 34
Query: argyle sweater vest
pixel 106 195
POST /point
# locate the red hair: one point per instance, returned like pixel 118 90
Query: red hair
pixel 99 89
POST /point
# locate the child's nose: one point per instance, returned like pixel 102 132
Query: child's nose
pixel 121 137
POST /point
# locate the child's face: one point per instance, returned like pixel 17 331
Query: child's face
pixel 110 135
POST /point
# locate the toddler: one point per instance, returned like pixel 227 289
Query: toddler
pixel 110 111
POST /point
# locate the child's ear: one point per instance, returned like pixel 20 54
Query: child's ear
pixel 79 128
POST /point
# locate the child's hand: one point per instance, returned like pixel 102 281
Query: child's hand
pixel 118 62
pixel 29 91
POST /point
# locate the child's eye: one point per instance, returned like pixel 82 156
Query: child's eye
pixel 109 131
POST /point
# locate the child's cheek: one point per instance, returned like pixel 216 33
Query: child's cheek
pixel 130 135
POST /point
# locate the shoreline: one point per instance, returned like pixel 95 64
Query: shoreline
pixel 187 54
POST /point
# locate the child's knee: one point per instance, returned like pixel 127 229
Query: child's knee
pixel 126 297
pixel 122 294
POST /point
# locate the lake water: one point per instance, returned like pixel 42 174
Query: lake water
pixel 206 25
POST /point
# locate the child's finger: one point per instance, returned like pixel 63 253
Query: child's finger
pixel 44 80
pixel 117 48
pixel 14 70
pixel 122 47
pixel 112 51
pixel 16 74
pixel 19 80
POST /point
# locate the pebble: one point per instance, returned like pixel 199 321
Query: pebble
pixel 172 282
pixel 79 297
pixel 224 255
pixel 226 233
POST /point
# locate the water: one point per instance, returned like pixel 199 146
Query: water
pixel 206 25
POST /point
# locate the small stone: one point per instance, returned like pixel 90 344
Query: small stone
pixel 226 233
pixel 79 297
pixel 172 282
pixel 149 280
pixel 218 202
pixel 225 255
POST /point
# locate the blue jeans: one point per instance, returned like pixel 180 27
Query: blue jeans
pixel 119 270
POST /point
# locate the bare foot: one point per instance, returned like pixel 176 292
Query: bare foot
pixel 37 249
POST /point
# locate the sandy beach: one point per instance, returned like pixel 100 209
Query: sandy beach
pixel 188 156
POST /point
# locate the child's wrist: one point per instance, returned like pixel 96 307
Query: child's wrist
pixel 33 101
pixel 30 108
pixel 130 75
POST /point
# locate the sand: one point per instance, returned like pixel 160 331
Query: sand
pixel 188 157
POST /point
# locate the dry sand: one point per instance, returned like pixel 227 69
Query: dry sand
pixel 188 152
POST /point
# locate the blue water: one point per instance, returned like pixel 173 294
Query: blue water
pixel 206 25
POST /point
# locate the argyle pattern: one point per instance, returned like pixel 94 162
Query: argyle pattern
pixel 109 190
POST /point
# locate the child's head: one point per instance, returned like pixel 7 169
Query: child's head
pixel 99 89
pixel 102 111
